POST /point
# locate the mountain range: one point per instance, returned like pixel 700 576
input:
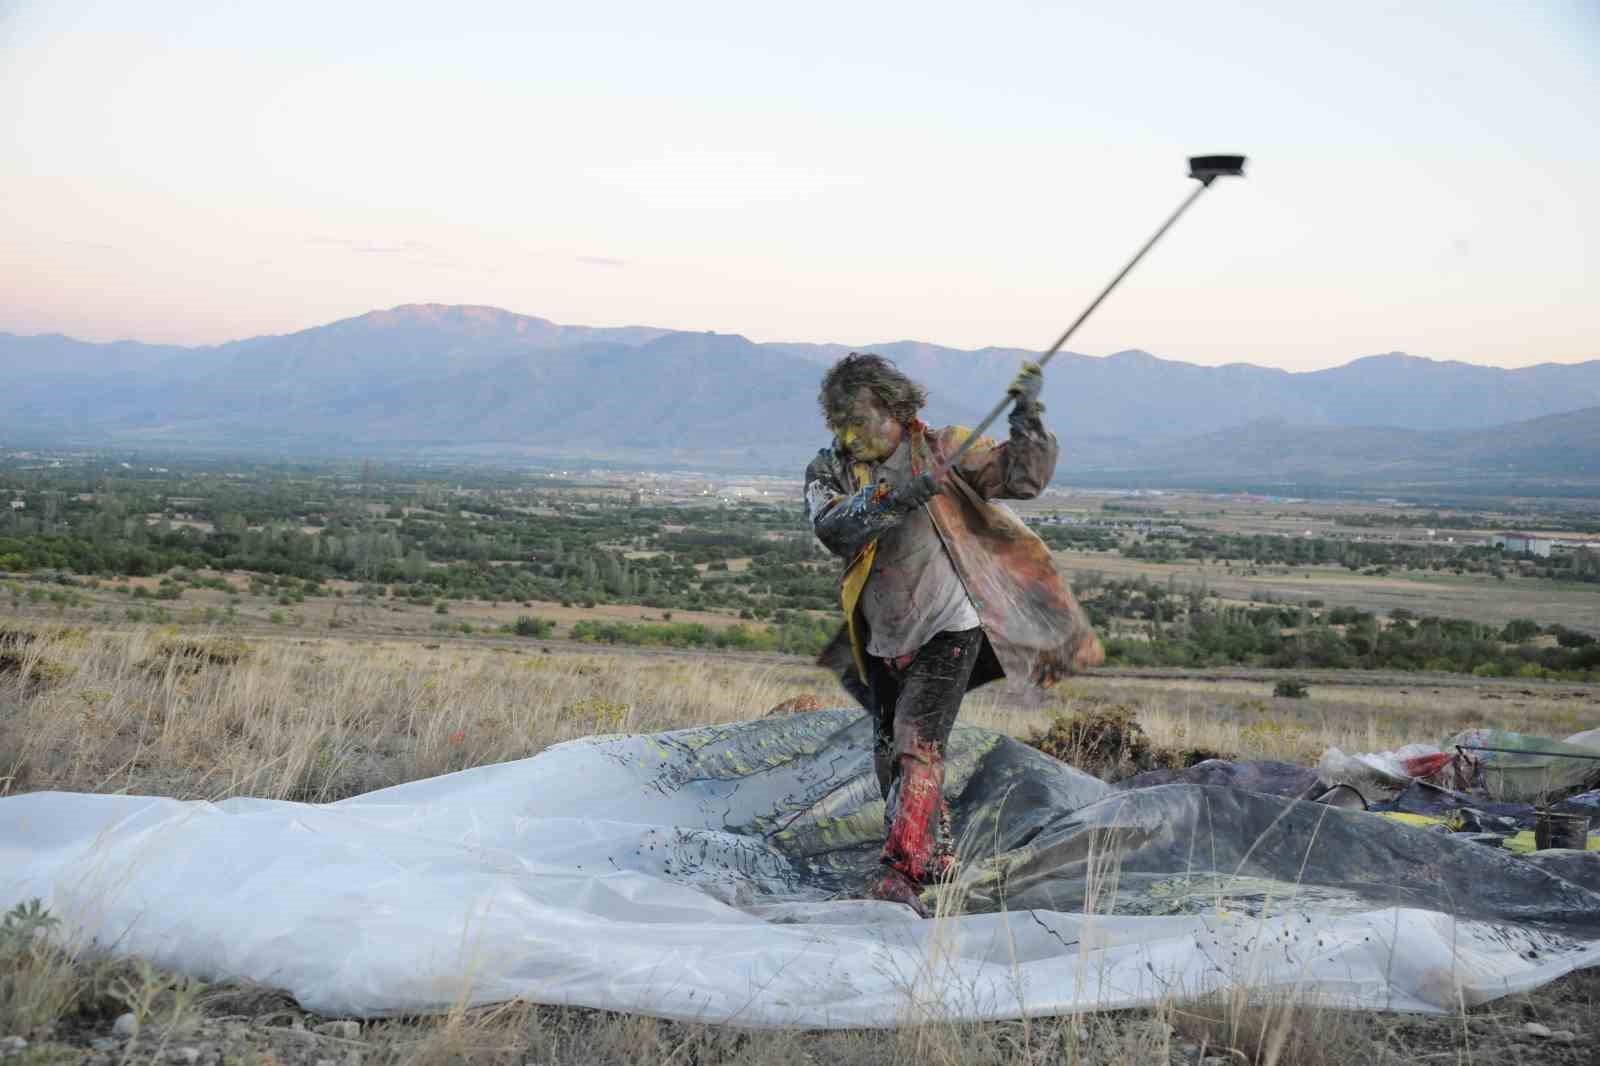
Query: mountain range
pixel 486 383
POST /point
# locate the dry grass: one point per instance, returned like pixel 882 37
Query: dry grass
pixel 1243 716
pixel 158 712
pixel 150 711
pixel 314 720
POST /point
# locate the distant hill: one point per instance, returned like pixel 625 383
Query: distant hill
pixel 1555 449
pixel 487 382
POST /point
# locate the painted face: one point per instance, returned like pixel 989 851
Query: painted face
pixel 866 430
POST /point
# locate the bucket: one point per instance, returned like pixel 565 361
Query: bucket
pixel 1561 831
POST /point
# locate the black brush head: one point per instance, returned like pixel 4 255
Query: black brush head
pixel 1207 168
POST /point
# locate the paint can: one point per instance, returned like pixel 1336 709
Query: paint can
pixel 1561 831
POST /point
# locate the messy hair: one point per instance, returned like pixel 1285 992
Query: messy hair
pixel 895 392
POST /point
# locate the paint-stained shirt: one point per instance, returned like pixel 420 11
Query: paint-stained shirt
pixel 914 591
pixel 1033 627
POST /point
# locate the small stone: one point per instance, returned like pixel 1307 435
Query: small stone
pixel 103 1043
pixel 187 1055
pixel 1564 1036
pixel 1535 1029
pixel 10 1045
pixel 343 1030
pixel 125 1026
pixel 326 1062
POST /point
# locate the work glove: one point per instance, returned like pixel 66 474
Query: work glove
pixel 1026 389
pixel 911 495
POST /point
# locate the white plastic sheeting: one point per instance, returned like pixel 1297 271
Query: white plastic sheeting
pixel 1384 767
pixel 698 875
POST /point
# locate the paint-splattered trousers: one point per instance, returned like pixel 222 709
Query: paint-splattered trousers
pixel 916 703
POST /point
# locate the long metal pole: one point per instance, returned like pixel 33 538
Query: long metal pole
pixel 1519 751
pixel 1205 183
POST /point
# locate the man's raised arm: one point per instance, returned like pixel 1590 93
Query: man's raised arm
pixel 1020 468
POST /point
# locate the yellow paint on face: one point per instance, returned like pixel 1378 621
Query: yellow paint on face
pixel 866 430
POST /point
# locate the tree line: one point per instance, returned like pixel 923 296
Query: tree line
pixel 1152 625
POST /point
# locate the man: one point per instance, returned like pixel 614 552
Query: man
pixel 942 591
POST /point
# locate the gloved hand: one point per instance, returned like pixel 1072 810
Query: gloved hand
pixel 913 494
pixel 1027 386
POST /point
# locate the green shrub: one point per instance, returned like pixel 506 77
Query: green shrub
pixel 1519 631
pixel 22 924
pixel 529 626
pixel 1572 638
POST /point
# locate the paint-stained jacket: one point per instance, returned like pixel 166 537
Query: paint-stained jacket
pixel 1035 629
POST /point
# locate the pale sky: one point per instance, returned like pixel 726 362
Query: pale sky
pixel 1424 176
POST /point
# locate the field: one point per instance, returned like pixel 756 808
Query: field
pixel 165 712
pixel 1476 597
pixel 312 633
pixel 1492 594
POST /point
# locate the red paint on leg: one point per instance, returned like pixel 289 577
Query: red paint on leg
pixel 909 847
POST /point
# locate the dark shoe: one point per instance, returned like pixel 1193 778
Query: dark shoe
pixel 892 886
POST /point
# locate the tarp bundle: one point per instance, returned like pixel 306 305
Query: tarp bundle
pixel 1501 764
pixel 707 874
pixel 1528 767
